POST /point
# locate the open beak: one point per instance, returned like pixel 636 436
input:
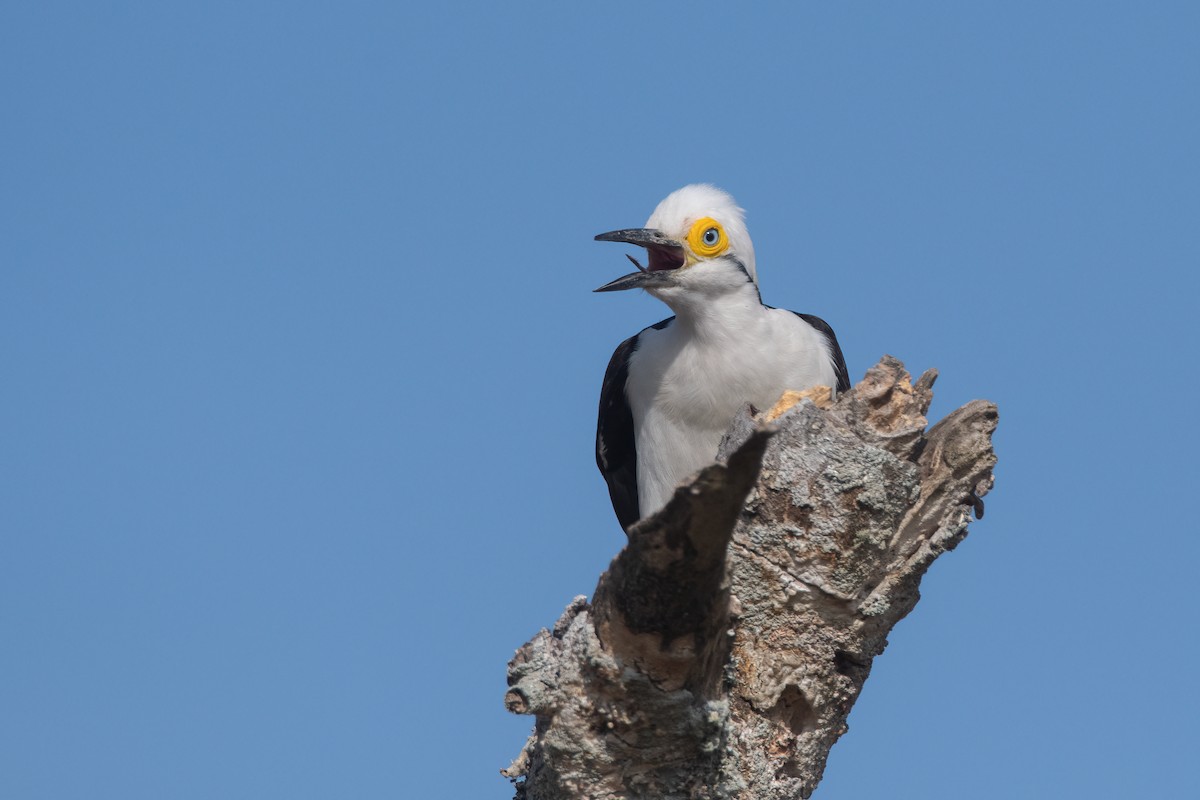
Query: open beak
pixel 664 257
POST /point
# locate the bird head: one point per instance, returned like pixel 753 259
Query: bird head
pixel 696 243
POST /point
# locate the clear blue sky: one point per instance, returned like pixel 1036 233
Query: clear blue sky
pixel 300 361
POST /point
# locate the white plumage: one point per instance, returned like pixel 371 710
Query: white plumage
pixel 672 390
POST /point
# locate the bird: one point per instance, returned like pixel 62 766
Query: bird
pixel 671 391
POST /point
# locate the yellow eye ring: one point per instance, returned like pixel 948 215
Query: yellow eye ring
pixel 707 238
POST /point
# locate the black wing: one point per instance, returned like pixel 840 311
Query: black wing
pixel 835 350
pixel 616 450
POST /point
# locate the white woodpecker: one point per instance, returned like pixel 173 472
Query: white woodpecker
pixel 671 391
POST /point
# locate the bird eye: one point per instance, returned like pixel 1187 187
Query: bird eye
pixel 708 238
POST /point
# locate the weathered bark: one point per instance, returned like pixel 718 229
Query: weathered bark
pixel 728 641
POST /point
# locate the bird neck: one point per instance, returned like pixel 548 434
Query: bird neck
pixel 717 315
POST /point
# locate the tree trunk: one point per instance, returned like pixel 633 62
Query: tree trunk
pixel 728 641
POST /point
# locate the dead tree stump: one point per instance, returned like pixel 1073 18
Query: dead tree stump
pixel 726 644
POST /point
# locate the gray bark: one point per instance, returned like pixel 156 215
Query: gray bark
pixel 727 642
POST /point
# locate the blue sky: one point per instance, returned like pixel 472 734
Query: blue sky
pixel 300 364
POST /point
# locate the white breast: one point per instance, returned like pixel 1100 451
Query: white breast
pixel 686 385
